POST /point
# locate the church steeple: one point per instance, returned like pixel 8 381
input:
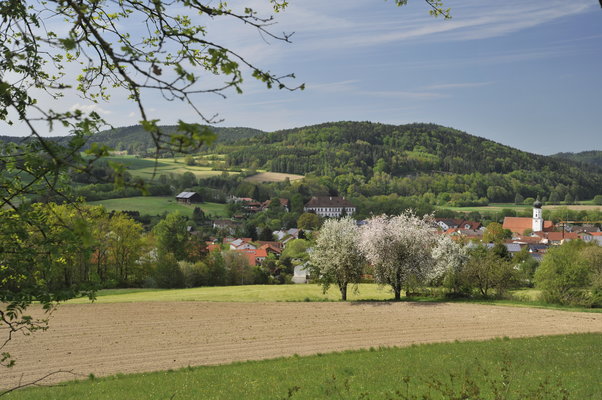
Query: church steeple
pixel 537 216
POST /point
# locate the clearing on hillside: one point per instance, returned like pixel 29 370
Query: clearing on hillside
pixel 105 339
pixel 272 177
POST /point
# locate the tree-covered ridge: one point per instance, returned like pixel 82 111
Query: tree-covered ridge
pixel 593 157
pixel 137 140
pixel 413 159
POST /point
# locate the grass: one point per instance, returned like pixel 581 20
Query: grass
pixel 145 167
pixel 157 205
pixel 248 293
pixel 310 292
pixel 568 362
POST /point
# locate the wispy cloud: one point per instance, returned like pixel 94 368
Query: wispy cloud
pixel 88 108
pixel 411 95
pixel 457 85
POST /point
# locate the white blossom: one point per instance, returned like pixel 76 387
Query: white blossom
pixel 398 248
pixel 336 257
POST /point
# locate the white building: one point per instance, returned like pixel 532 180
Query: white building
pixel 331 206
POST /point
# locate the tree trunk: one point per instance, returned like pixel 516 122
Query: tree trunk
pixel 343 289
pixel 397 291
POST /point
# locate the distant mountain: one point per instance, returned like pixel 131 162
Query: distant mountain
pixel 593 157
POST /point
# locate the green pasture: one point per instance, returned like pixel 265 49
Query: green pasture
pixel 157 205
pixel 148 168
pixel 247 293
pixel 545 368
pixel 309 292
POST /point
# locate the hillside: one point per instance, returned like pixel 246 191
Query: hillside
pixel 137 140
pixel 414 159
pixel 586 157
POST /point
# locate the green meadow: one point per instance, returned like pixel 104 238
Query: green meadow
pixel 247 293
pixel 545 368
pixel 309 292
pixel 149 168
pixel 157 205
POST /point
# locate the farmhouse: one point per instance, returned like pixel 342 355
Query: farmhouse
pixel 329 206
pixel 189 198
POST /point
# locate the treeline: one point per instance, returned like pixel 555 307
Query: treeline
pixel 375 159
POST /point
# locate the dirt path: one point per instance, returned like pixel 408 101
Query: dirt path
pixel 106 339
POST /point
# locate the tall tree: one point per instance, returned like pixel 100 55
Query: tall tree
pixel 172 236
pixel 336 257
pixel 399 248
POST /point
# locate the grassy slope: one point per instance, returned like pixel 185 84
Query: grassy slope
pixel 157 205
pixel 145 167
pixel 567 361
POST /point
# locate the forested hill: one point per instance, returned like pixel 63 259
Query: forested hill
pixel 587 157
pixel 138 141
pixel 414 159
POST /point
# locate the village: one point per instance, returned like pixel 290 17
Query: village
pixel 518 234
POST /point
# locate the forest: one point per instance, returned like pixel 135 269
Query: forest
pixel 416 159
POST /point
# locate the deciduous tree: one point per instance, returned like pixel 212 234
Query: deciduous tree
pixel 399 248
pixel 336 258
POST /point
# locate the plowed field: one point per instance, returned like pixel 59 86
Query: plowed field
pixel 106 339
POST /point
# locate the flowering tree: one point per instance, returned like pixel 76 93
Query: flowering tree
pixel 450 258
pixel 336 258
pixel 398 248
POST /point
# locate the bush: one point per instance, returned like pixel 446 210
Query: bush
pixel 195 274
pixel 566 273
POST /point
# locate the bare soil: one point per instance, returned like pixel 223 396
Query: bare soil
pixel 106 339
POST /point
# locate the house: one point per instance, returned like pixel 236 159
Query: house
pixel 331 206
pixel 452 223
pixel 189 198
pixel 560 237
pixel 240 244
pixel 226 225
pixel 283 203
pixel 301 273
pixel 255 256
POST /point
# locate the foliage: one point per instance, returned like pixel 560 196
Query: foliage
pixel 486 270
pixel 450 258
pixel 495 233
pixel 167 273
pixel 568 271
pixel 309 221
pixel 336 257
pixel 398 248
pixel 172 236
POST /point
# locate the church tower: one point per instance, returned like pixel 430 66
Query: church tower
pixel 537 217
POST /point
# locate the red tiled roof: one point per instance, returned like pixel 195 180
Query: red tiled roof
pixel 558 236
pixel 520 224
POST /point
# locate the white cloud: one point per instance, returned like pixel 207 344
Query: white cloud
pixel 88 108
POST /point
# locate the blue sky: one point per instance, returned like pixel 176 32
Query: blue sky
pixel 523 73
